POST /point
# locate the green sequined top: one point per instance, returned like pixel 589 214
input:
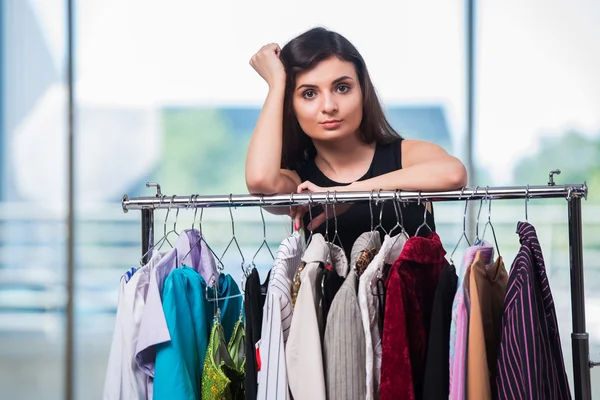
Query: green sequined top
pixel 223 372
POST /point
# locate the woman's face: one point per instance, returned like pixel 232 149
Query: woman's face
pixel 327 100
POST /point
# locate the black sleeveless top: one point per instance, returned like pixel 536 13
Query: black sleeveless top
pixel 357 220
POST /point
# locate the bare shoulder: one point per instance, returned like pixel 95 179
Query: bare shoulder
pixel 417 151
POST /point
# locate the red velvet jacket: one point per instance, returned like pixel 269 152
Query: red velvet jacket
pixel 411 285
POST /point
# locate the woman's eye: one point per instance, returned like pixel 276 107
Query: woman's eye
pixel 343 88
pixel 309 94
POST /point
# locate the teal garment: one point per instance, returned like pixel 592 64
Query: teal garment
pixel 189 315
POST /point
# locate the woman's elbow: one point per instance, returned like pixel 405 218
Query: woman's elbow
pixel 457 176
pixel 258 185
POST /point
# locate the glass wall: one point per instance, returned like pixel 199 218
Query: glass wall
pixel 32 210
pixel 537 109
pixel 164 93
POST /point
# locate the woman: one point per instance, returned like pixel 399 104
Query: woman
pixel 322 128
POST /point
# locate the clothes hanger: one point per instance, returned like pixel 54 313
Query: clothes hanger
pixel 399 217
pixel 163 238
pixel 400 221
pixel 464 231
pixel 489 221
pixel 378 277
pixel 216 299
pixel 233 238
pixel 424 224
pixel 371 240
pixel 335 221
pixel 264 241
pixel 201 238
pixel 380 224
pixel 166 237
pixel 327 224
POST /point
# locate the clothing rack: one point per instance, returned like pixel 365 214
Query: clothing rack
pixel 573 193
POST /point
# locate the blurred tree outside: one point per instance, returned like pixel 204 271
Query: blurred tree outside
pixel 202 154
pixel 575 154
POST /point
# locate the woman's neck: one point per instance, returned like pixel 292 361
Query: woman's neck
pixel 346 160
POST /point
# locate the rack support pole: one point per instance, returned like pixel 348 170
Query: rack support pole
pixel 147 233
pixel 579 337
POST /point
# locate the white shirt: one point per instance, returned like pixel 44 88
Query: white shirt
pixel 124 379
pixel 277 320
pixel 369 309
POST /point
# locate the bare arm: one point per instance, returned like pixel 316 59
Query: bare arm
pixel 263 172
pixel 425 166
pixel 263 160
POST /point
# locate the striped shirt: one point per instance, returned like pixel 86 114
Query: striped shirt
pixel 530 360
pixel 277 320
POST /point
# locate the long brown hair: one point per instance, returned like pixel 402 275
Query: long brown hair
pixel 303 53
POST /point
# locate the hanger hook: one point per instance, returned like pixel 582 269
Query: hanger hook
pixel 291 216
pixel 380 225
pixel 310 205
pixel 395 203
pixel 526 201
pixel 167 215
pixel 400 204
pixel 326 215
pixel 478 215
pixel 371 208
pixel 176 218
pixel 262 217
pixel 231 215
pixel 194 198
pixel 201 215
pixel 335 213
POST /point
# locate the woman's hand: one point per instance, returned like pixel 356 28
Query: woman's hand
pixel 268 65
pixel 332 210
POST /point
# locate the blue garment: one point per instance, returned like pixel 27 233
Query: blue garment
pixel 189 316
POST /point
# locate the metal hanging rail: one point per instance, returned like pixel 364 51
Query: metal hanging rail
pixel 573 193
pixel 194 201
